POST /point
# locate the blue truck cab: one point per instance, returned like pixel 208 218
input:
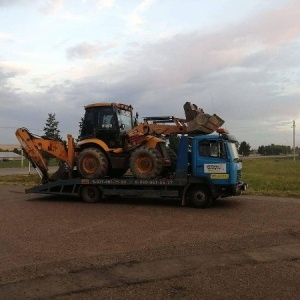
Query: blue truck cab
pixel 214 163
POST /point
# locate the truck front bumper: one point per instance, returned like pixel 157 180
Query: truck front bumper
pixel 237 189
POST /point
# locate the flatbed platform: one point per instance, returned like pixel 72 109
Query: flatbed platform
pixel 125 186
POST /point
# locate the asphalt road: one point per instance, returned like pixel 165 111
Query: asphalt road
pixel 61 248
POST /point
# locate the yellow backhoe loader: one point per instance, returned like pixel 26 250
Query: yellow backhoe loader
pixel 112 141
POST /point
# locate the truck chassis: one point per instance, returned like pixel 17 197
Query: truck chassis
pixel 191 192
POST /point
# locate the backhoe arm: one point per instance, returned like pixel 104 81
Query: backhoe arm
pixel 196 122
pixel 32 145
pixel 160 126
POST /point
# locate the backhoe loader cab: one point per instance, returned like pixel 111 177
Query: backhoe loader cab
pixel 108 122
pixel 107 149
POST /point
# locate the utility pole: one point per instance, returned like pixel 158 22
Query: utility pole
pixel 294 149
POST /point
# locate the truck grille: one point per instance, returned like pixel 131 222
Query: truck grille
pixel 239 175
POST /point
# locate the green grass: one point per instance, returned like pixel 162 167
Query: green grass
pixel 26 180
pixel 17 164
pixel 13 164
pixel 272 176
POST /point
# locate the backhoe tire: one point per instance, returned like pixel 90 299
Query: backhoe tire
pixel 199 197
pixel 92 163
pixel 145 163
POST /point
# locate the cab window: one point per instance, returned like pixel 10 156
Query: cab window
pixel 214 149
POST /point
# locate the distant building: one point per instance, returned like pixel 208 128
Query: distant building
pixel 5 156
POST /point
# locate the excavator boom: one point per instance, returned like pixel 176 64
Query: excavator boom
pixel 196 122
pixel 32 145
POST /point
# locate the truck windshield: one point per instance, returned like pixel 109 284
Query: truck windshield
pixel 233 150
pixel 124 118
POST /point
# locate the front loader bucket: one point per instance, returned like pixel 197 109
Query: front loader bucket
pixel 200 122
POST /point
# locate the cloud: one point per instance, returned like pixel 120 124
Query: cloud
pixel 8 3
pixel 104 4
pixel 61 43
pixel 88 50
pixel 10 69
pixel 184 57
pixel 83 51
pixel 6 38
pixel 275 28
pixel 243 72
pixel 4 75
pixel 52 6
pixel 236 66
pixel 135 18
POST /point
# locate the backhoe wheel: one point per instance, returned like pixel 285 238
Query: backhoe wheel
pixel 92 163
pixel 145 163
pixel 90 193
pixel 199 197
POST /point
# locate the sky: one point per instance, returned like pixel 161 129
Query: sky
pixel 238 59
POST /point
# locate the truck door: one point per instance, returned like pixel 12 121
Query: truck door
pixel 211 161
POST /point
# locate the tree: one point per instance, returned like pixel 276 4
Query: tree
pixel 261 150
pixel 51 128
pixel 51 132
pixel 80 134
pixel 274 150
pixel 17 151
pixel 244 149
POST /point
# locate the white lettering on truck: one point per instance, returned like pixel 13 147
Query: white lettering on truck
pixel 214 168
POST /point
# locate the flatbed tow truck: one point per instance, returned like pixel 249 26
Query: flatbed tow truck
pixel 208 167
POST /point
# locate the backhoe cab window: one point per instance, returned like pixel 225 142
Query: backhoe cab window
pixel 124 118
pixel 212 149
pixel 99 118
pixel 106 119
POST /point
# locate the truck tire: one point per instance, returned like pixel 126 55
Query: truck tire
pixel 199 197
pixel 145 163
pixel 90 193
pixel 92 163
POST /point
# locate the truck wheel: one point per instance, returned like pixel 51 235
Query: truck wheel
pixel 90 193
pixel 199 197
pixel 145 163
pixel 92 163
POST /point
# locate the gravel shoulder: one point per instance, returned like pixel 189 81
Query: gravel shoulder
pixel 61 248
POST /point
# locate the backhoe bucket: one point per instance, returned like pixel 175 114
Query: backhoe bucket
pixel 200 122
